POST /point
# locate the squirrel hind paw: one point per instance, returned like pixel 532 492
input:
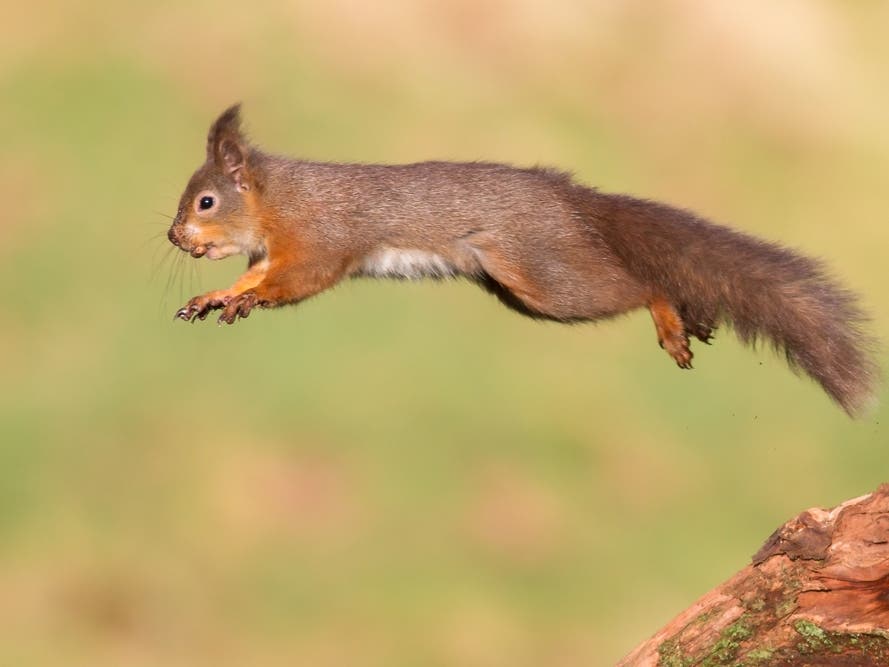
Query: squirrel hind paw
pixel 672 333
pixel 678 348
pixel 701 331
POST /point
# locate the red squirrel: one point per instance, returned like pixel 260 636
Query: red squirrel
pixel 543 244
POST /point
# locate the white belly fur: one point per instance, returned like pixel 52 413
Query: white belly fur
pixel 406 263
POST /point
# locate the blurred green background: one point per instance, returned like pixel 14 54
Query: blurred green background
pixel 406 474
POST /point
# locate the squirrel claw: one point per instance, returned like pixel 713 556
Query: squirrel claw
pixel 703 333
pixel 678 348
pixel 238 307
pixel 199 307
pixel 185 314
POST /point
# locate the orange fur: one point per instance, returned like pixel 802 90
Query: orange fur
pixel 671 332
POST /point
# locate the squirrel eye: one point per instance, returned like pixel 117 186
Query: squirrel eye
pixel 206 202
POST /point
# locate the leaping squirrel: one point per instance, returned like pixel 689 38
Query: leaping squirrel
pixel 545 245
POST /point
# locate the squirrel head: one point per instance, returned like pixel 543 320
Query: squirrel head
pixel 216 215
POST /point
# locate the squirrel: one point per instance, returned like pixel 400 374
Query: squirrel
pixel 543 244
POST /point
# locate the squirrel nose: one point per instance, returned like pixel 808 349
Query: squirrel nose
pixel 173 239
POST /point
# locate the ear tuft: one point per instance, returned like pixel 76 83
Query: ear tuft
pixel 228 147
pixel 227 126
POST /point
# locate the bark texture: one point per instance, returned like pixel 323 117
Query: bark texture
pixel 816 593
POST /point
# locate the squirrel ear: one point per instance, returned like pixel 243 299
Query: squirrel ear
pixel 228 147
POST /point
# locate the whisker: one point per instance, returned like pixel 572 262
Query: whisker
pixel 194 279
pixel 158 264
pixel 184 263
pixel 177 275
pixel 163 220
pixel 171 277
pixel 150 239
pixel 173 261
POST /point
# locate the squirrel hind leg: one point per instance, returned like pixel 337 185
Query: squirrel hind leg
pixel 672 332
pixel 701 325
pixel 701 331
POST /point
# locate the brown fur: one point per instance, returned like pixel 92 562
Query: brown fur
pixel 544 245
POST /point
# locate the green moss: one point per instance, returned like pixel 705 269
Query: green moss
pixel 726 648
pixel 786 607
pixel 817 640
pixel 759 655
pixel 671 655
pixel 814 638
pixel 723 652
pixel 809 630
pixel 757 605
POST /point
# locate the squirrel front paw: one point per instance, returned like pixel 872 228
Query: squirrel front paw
pixel 200 306
pixel 238 306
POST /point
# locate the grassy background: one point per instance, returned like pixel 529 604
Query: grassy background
pixel 406 474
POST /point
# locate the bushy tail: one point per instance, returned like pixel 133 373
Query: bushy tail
pixel 716 275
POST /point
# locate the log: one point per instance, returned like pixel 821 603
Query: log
pixel 816 593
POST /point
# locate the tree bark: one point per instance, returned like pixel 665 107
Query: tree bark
pixel 816 593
